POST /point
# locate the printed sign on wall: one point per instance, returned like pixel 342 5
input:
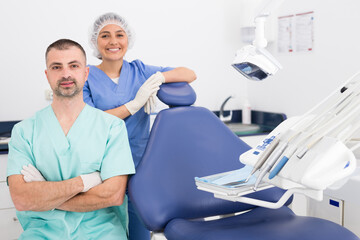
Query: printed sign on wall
pixel 296 33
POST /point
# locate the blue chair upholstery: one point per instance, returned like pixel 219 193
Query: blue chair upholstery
pixel 187 142
pixel 177 94
pixel 258 224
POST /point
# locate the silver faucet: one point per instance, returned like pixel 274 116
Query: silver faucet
pixel 221 115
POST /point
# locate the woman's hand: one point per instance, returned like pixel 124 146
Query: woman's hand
pixel 149 88
pixel 151 102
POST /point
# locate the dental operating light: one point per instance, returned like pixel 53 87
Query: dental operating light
pixel 254 61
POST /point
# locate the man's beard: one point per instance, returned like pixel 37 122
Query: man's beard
pixel 66 92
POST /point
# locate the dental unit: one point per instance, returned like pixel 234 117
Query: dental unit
pixel 304 154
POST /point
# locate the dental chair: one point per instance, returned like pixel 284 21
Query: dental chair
pixel 187 142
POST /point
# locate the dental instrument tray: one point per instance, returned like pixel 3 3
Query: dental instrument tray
pixel 305 154
pixel 226 184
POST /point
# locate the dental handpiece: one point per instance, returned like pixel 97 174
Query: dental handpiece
pixel 270 162
pixel 270 148
pixel 285 158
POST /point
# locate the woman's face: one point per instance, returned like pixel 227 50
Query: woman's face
pixel 112 42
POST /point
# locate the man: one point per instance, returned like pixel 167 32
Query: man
pixel 68 165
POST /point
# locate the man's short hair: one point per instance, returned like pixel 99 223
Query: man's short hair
pixel 64 44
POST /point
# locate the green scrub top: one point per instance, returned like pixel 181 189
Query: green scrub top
pixel 97 141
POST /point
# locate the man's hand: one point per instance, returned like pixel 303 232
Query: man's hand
pixel 90 180
pixel 31 174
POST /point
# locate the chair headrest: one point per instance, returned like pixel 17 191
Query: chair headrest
pixel 177 94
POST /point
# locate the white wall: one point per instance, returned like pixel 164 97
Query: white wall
pixel 169 33
pixel 309 77
pixel 202 35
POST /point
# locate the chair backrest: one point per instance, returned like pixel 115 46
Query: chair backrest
pixel 186 142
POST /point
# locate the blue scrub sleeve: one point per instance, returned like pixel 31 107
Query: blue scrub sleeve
pixel 149 70
pixel 87 95
pixel 117 158
pixel 20 152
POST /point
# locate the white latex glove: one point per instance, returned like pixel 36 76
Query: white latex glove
pixel 159 77
pixel 31 174
pixel 90 180
pixel 150 104
pixel 150 86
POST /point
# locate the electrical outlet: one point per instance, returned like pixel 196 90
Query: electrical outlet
pixel 49 94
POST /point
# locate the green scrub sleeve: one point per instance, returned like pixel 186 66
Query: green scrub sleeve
pixel 20 152
pixel 117 158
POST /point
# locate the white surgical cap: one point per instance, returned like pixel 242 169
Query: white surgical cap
pixel 106 19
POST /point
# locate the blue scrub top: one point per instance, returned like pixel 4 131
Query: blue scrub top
pixel 101 92
pixel 97 141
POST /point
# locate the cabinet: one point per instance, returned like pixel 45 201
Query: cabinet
pixel 10 227
pixel 329 208
pixel 341 205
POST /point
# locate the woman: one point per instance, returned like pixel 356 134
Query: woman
pixel 126 89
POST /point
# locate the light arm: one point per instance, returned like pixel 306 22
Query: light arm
pixel 42 196
pixel 110 193
pixel 180 74
pixel 121 112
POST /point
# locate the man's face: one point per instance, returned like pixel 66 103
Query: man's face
pixel 66 71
